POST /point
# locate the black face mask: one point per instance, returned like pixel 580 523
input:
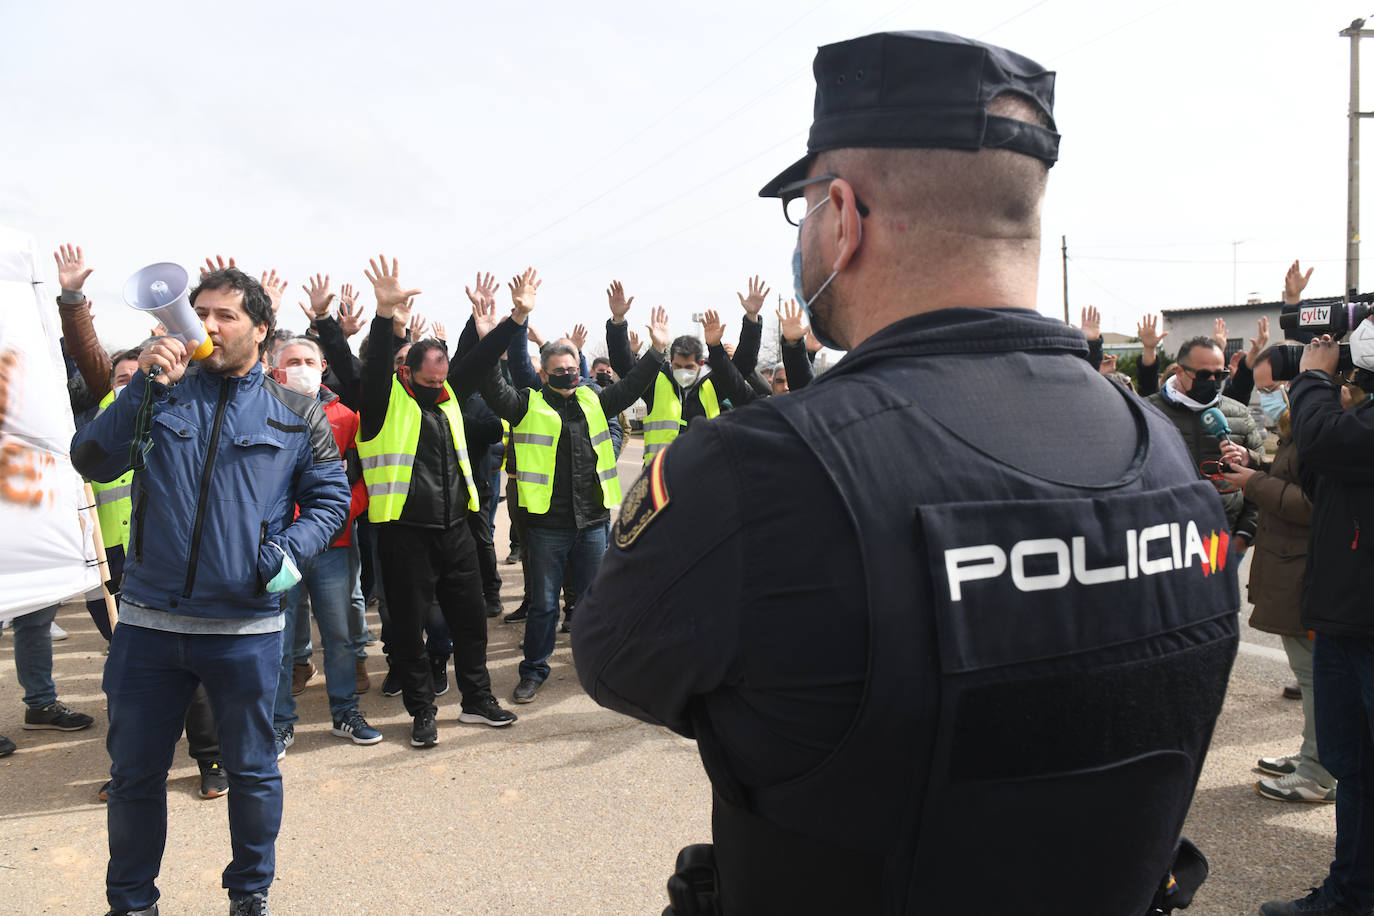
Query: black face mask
pixel 564 381
pixel 424 395
pixel 1203 391
pixel 604 379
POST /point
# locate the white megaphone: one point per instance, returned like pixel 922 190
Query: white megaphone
pixel 164 291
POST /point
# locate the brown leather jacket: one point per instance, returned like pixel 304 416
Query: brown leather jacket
pixel 78 332
pixel 1280 549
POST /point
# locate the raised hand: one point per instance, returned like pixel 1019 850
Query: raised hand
pixel 712 327
pixel 1259 341
pixel 400 319
pixel 440 333
pixel 320 296
pixel 578 336
pixel 159 330
pixel 635 343
pixel 534 336
pixel 522 292
pixel 753 303
pixel 1148 332
pixel 273 285
pixel 350 314
pixel 71 267
pixel 659 335
pixel 484 317
pixel 216 263
pixel 386 286
pixel 485 292
pixel 790 322
pixel 1219 333
pixel 417 328
pixel 615 297
pixel 1294 282
pixel 1092 323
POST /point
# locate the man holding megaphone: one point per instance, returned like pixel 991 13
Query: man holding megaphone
pixel 221 454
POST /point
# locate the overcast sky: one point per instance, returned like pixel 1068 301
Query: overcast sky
pixel 628 140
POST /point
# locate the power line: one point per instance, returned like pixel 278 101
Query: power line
pixel 658 241
pixel 1085 275
pixel 1192 261
pixel 1004 22
pixel 1063 54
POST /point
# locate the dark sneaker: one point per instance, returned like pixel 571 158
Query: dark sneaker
pixel 1279 766
pixel 300 676
pixel 1314 904
pixel 286 736
pixel 518 614
pixel 566 627
pixel 1292 691
pixel 254 905
pixel 7 746
pixel 104 793
pixel 526 689
pixel 213 781
pixel 146 911
pixel 391 684
pixel 486 711
pixel 56 715
pixel 438 670
pixel 513 557
pixel 353 725
pixel 362 683
pixel 494 607
pixel 424 733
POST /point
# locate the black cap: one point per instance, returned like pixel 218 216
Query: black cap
pixel 922 89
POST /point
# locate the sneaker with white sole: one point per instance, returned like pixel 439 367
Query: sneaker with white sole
pixel 1279 766
pixel 1295 788
pixel 58 634
pixel 56 716
pixel 424 733
pixel 353 725
pixel 286 736
pixel 486 711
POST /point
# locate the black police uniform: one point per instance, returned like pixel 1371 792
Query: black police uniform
pixel 923 636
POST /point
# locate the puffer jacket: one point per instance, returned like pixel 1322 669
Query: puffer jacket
pixel 1280 551
pixel 231 458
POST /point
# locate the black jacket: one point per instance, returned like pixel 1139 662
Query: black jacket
pixel 576 500
pixel 438 490
pixel 1336 450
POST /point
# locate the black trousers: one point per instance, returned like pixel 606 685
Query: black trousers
pixel 418 566
pixel 480 523
pixel 201 737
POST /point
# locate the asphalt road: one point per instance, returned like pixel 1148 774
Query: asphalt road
pixel 573 810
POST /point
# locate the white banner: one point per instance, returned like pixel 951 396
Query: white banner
pixel 47 554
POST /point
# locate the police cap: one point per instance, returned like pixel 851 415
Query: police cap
pixel 922 89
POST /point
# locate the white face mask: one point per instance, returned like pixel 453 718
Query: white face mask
pixel 1362 345
pixel 118 389
pixel 685 377
pixel 303 380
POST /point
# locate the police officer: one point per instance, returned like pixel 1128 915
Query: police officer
pixel 923 638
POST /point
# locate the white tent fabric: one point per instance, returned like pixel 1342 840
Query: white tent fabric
pixel 47 553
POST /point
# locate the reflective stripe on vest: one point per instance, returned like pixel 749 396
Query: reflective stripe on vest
pixel 664 422
pixel 389 458
pixel 535 439
pixel 114 505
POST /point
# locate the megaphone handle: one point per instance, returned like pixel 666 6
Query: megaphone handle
pixel 154 372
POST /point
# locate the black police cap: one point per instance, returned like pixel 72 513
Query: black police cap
pixel 922 89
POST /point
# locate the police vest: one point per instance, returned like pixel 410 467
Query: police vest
pixel 113 502
pixel 388 458
pixel 535 439
pixel 664 422
pixel 992 770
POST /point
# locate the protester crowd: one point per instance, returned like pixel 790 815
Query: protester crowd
pixel 424 427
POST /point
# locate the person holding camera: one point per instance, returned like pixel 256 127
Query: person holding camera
pixel 1335 446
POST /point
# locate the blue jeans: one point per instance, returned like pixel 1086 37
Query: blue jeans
pixel 328 578
pixel 299 634
pixel 1343 678
pixel 149 678
pixel 33 656
pixel 357 618
pixel 548 551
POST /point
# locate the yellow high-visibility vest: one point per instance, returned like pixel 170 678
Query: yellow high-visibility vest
pixel 388 458
pixel 114 505
pixel 535 439
pixel 664 422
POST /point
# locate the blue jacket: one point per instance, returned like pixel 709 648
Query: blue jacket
pixel 230 459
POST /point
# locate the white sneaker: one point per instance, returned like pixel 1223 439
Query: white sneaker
pixel 1279 766
pixel 58 634
pixel 1295 788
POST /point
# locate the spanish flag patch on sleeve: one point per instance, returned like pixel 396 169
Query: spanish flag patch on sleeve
pixel 646 499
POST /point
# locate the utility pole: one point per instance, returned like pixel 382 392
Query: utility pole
pixel 1064 249
pixel 1355 32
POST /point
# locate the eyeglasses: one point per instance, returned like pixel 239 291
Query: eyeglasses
pixel 794 208
pixel 1270 389
pixel 1203 375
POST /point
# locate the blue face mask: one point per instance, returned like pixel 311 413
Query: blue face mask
pixel 1273 403
pixel 802 300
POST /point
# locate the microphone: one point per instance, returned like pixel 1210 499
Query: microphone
pixel 1214 421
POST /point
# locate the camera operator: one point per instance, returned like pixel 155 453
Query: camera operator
pixel 1336 448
